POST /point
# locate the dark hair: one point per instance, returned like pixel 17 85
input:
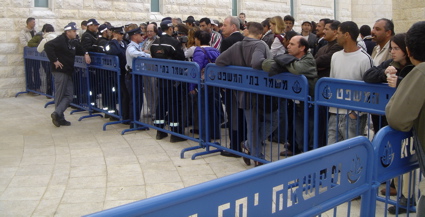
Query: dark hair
pixel 389 25
pixel 334 24
pixel 313 27
pixel 255 28
pixel 47 28
pixel 290 34
pixel 304 42
pixel 415 41
pixel 206 20
pixel 289 18
pixel 30 19
pixel 242 14
pixel 182 29
pixel 400 41
pixel 266 22
pixel 84 23
pixel 365 30
pixel 350 27
pixel 203 36
pixel 324 20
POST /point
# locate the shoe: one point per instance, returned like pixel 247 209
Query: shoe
pixel 55 119
pixel 64 122
pixel 402 202
pixel 286 153
pixel 393 191
pixel 194 131
pixel 246 151
pixel 228 154
pixel 160 135
pixel 174 139
pixel 257 163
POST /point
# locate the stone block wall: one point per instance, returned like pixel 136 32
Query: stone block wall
pixel 366 12
pixel 406 13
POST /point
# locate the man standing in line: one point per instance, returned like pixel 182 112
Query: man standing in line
pixel 406 109
pixel 28 32
pixel 306 33
pixel 324 54
pixel 205 25
pixel 298 61
pixel 61 52
pixel 254 52
pixel 231 27
pixel 350 63
pixel 89 37
pixel 320 41
pixel 167 47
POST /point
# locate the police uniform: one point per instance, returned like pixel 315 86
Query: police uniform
pixel 88 39
pixel 170 92
pixel 118 48
pixel 133 51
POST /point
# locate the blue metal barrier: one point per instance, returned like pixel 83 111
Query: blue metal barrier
pixel 105 86
pixel 82 93
pixel 352 95
pixel 38 76
pixel 252 85
pixel 304 185
pixel 172 78
pixel 394 156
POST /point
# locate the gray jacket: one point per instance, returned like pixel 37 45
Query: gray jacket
pixel 254 52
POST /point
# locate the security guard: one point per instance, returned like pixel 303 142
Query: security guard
pixel 117 46
pixel 170 92
pixel 134 50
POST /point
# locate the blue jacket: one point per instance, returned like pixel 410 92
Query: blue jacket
pixel 202 56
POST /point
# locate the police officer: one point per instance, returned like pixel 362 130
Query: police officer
pixel 104 37
pixel 117 46
pixel 134 50
pixel 170 92
pixel 89 37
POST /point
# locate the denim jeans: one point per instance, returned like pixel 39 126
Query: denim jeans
pixel 342 127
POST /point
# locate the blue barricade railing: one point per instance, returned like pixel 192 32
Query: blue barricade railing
pixel 345 97
pixel 246 88
pixel 38 75
pixel 395 157
pixel 304 185
pixel 105 86
pixel 170 111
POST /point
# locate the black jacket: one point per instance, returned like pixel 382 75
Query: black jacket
pixel 115 48
pixel 64 50
pixel 229 41
pixel 376 74
pixel 167 47
pixel 323 58
pixel 101 44
pixel 88 41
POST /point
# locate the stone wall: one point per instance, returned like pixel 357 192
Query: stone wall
pixel 13 14
pixel 366 12
pixel 406 13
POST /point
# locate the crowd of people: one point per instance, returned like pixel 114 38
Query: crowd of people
pixel 328 48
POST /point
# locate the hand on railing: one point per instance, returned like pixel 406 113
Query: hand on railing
pixel 87 58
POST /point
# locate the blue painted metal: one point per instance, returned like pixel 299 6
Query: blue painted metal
pixel 284 85
pixel 173 70
pixel 33 61
pixel 324 178
pixel 352 95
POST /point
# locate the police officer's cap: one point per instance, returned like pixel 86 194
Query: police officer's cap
pixel 134 31
pixel 166 24
pixel 92 22
pixel 119 29
pixel 104 27
pixel 70 26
